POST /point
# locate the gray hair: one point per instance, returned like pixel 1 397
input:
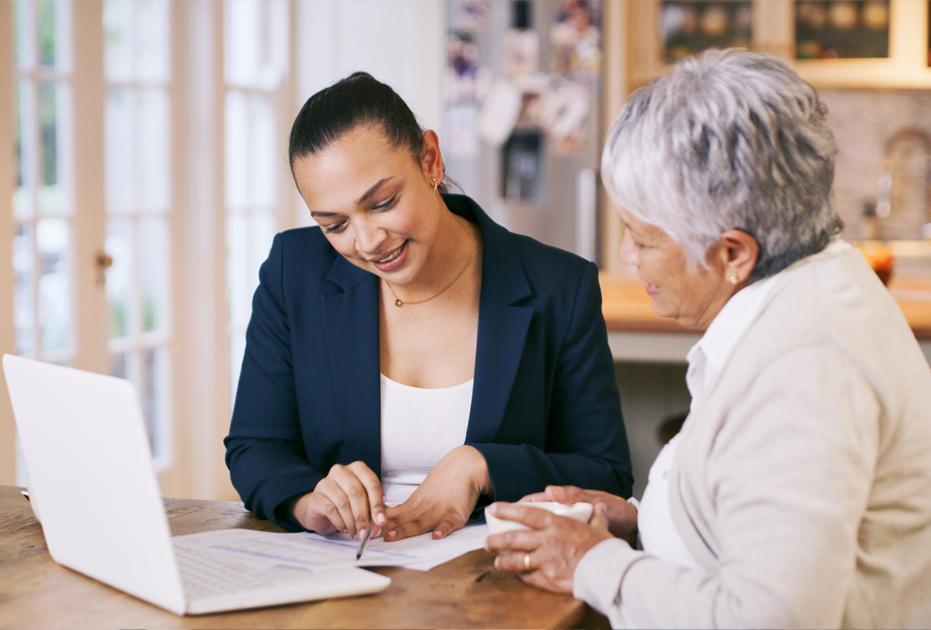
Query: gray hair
pixel 728 139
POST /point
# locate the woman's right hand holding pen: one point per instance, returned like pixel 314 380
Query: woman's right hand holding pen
pixel 345 500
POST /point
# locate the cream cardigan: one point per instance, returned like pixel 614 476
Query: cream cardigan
pixel 802 484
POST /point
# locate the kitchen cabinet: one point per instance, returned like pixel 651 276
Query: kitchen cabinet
pixel 906 66
pixel 773 32
pixel 634 53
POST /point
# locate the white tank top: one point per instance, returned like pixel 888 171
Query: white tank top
pixel 418 427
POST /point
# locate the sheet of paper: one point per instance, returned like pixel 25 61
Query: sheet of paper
pixel 311 551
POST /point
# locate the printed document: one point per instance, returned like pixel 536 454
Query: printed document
pixel 312 551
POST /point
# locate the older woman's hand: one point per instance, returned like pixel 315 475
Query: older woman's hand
pixel 621 514
pixel 443 502
pixel 547 555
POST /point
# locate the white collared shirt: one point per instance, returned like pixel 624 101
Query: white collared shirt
pixel 710 354
pixel 658 533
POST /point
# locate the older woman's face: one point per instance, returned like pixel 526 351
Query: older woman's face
pixel 691 296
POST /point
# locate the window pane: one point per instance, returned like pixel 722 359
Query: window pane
pixel 262 152
pixel 50 192
pixel 24 151
pixel 119 276
pixel 276 43
pixel 262 233
pixel 153 263
pixel 24 292
pixel 237 267
pixel 125 365
pixel 151 150
pixel 151 43
pixel 46 22
pixel 117 23
pixel 53 237
pixel 237 150
pixel 119 134
pixel 243 43
pixel 118 365
pixel 20 33
pixel 154 397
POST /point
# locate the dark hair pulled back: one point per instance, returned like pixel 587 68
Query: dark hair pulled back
pixel 357 100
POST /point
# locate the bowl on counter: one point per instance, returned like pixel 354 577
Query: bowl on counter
pixel 880 258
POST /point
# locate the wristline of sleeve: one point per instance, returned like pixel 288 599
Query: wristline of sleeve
pixel 277 501
pixel 598 576
pixel 512 473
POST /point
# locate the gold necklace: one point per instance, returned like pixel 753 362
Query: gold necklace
pixel 399 303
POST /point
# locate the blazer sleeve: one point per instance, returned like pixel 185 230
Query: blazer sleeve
pixel 264 449
pixel 585 444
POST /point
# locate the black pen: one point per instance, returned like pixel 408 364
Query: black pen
pixel 365 538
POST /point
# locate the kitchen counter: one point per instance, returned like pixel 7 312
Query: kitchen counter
pixel 637 334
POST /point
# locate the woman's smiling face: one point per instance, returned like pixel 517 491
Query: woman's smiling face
pixel 374 202
pixel 691 294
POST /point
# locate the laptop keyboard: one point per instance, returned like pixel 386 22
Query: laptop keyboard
pixel 204 576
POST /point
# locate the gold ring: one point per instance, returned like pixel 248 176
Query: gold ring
pixel 527 561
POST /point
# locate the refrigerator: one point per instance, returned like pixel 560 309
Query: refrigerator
pixel 523 115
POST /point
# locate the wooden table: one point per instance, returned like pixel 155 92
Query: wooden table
pixel 467 592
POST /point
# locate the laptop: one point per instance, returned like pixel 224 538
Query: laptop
pixel 94 486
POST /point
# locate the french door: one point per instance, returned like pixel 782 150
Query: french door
pixel 147 182
pixel 91 199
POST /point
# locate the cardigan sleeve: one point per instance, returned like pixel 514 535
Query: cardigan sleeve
pixel 787 480
pixel 586 443
pixel 264 449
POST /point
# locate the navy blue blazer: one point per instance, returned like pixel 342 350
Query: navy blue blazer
pixel 545 406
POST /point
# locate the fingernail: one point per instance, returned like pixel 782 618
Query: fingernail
pixel 380 518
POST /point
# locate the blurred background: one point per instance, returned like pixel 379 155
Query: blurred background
pixel 146 164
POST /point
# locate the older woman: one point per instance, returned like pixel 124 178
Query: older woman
pixel 798 492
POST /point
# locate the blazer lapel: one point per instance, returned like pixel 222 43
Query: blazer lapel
pixel 502 330
pixel 503 325
pixel 350 316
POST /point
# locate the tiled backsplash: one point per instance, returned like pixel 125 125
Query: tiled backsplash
pixel 869 125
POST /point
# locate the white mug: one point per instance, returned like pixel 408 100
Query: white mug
pixel 580 511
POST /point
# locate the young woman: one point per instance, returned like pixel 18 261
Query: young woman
pixel 409 352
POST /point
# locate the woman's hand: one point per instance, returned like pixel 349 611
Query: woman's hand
pixel 344 501
pixel 547 555
pixel 445 499
pixel 621 514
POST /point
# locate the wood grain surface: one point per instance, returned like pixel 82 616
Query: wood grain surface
pixel 626 305
pixel 467 592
